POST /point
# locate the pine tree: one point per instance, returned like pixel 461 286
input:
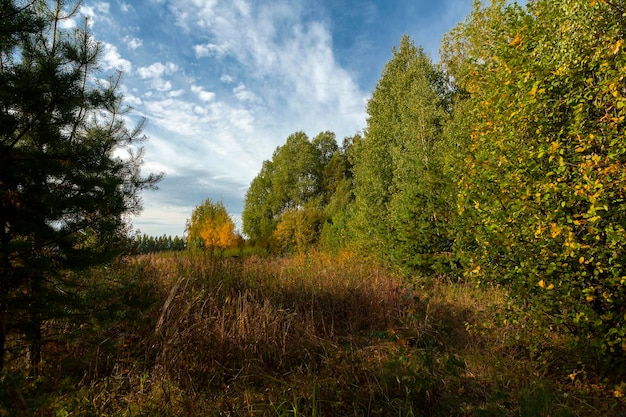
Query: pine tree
pixel 63 192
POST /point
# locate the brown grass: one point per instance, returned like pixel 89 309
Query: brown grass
pixel 185 334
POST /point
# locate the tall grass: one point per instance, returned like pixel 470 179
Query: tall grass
pixel 310 335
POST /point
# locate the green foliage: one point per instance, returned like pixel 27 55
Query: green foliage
pixel 326 145
pixel 284 204
pixel 63 190
pixel 298 230
pixel 339 195
pixel 542 186
pixel 297 172
pixel 259 217
pixel 402 202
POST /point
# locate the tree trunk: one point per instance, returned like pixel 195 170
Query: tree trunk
pixel 34 326
pixel 3 338
pixel 34 348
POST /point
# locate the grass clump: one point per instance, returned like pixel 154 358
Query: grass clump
pixel 186 334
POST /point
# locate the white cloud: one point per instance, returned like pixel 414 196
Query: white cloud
pixel 210 128
pixel 226 79
pixel 203 11
pixel 132 100
pixel 245 95
pixel 112 59
pixel 155 74
pixel 174 115
pixel 176 93
pixel 293 57
pixel 68 24
pixel 102 7
pixel 209 49
pixel 88 12
pixel 201 111
pixel 161 84
pixel 133 43
pixel 157 70
pixel 97 12
pixel 202 94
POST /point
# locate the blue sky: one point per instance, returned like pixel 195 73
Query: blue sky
pixel 223 83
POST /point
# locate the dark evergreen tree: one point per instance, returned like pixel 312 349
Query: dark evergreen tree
pixel 63 190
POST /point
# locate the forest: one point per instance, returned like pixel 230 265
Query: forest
pixel 463 255
pixel 503 165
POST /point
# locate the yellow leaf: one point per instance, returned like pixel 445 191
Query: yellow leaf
pixel 542 284
pixel 516 41
pixel 617 46
pixel 554 146
pixel 555 230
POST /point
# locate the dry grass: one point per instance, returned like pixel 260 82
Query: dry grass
pixel 185 334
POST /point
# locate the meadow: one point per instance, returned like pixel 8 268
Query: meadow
pixel 185 334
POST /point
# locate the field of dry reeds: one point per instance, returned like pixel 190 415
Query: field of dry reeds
pixel 186 334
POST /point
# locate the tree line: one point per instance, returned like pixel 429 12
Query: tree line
pixel 504 164
pixel 144 243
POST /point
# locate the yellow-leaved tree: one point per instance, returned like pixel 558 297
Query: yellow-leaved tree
pixel 211 227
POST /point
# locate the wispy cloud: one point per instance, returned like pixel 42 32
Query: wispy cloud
pixel 273 41
pixel 157 70
pixel 223 83
pixel 245 95
pixel 280 76
pixel 96 12
pixel 226 79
